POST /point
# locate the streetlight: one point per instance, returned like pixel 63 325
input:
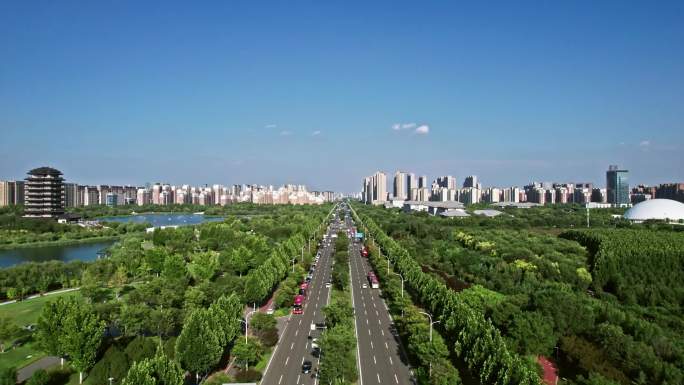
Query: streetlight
pixel 402 283
pixel 431 323
pixel 293 261
pixel 110 380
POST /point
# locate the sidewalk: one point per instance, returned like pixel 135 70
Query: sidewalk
pixel 42 295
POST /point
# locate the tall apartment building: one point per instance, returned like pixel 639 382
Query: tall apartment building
pixel 471 181
pixel 375 188
pixel 11 193
pixel 400 185
pixel 71 195
pixel 447 181
pixel 673 191
pixel 44 195
pixel 617 186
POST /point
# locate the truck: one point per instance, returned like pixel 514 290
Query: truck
pixel 298 307
pixel 373 280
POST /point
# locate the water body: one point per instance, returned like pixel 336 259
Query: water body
pixel 90 251
pixel 157 220
pixel 65 253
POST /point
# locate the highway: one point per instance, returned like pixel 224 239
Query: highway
pixel 294 346
pixel 379 355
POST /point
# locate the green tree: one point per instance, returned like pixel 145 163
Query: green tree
pixel 159 370
pixel 203 266
pixel 338 361
pixel 82 333
pixel 51 325
pixel 8 330
pixel 198 348
pixel 247 352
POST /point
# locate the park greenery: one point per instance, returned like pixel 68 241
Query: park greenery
pixel 603 304
pixel 171 301
pixel 17 231
pixel 338 341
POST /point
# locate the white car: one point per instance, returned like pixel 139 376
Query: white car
pixel 269 311
pixel 364 286
pixel 328 284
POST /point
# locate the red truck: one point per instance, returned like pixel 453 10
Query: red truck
pixel 298 305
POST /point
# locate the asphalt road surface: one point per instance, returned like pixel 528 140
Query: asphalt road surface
pixel 379 354
pixel 295 345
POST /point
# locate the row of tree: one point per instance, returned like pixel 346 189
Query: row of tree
pixel 474 339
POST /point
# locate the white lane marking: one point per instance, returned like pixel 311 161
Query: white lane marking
pixel 300 321
pixel 299 375
pixel 374 361
pixel 366 321
pixel 379 323
pixel 292 346
pixel 369 332
pixel 296 332
pixel 302 360
pixel 391 362
pixel 372 345
pixel 382 331
pixel 386 346
pixel 378 374
pixel 395 378
pixel 287 360
pixel 281 379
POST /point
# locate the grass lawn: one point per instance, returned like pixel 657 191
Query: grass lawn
pixel 20 356
pixel 27 312
pixel 24 313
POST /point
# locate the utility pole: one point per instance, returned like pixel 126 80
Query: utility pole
pixel 587 216
pixel 431 323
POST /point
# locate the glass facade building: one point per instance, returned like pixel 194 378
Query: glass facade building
pixel 617 186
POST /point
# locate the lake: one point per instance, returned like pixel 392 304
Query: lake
pixel 90 251
pixel 157 220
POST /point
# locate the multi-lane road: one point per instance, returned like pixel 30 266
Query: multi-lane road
pixel 379 357
pixel 295 344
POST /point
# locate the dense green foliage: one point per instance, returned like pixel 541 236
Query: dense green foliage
pixel 533 287
pixel 474 338
pixel 188 285
pixel 338 341
pixel 639 266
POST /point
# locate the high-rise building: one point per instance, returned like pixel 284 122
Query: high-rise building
pixel 617 186
pixel 400 185
pixel 44 193
pixel 447 181
pixel 6 193
pixel 71 195
pixel 470 181
pixel 422 182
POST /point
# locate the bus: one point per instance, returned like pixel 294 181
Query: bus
pixel 373 280
pixel 298 305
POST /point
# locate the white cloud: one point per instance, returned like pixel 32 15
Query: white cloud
pixel 645 143
pixel 403 126
pixel 270 126
pixel 285 133
pixel 423 129
pixel 315 133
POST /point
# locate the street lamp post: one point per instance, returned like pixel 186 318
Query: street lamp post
pixel 402 282
pixel 293 263
pixel 431 323
pixel 110 380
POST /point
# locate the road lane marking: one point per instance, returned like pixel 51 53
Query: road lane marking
pixel 287 360
pixel 382 331
pixel 292 346
pixel 372 345
pixel 281 379
pixel 386 346
pixel 395 378
pixel 374 361
pixel 391 362
pixel 378 374
pixel 296 332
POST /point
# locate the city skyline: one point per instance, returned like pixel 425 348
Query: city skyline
pixel 322 94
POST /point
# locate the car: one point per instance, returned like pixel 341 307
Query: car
pixel 320 325
pixel 306 367
pixel 314 343
pixel 328 284
pixel 364 286
pixel 269 311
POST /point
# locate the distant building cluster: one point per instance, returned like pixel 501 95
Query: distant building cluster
pixel 407 187
pixel 44 193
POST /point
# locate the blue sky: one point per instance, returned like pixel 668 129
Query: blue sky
pixel 311 92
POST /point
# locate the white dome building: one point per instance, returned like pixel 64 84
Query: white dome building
pixel 661 209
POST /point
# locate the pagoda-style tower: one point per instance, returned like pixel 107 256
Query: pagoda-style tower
pixel 44 194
